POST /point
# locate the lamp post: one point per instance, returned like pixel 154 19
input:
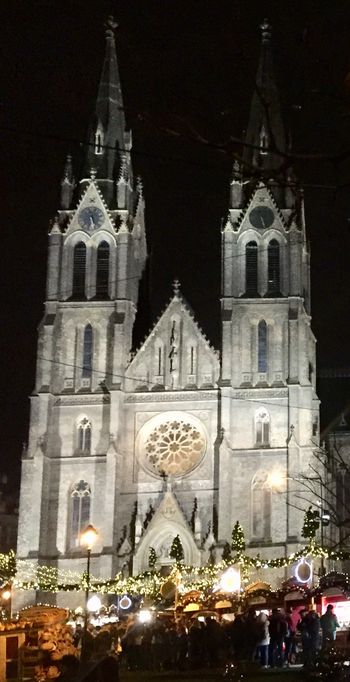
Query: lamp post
pixel 87 539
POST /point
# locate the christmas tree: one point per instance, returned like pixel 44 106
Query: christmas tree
pixel 311 523
pixel 152 557
pixel 176 550
pixel 238 541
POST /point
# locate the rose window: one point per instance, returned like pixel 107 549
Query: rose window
pixel 174 448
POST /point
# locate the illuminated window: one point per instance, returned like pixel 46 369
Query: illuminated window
pixel 273 267
pixel 80 503
pixel 251 269
pixel 263 141
pixel 261 507
pixel 87 352
pixel 79 267
pixel 262 428
pixel 102 270
pixel 99 139
pixel 262 346
pixel 84 436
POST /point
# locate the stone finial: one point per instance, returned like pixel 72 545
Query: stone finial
pixel 110 26
pixel 176 287
pixel 93 173
pixel 55 226
pixel 266 30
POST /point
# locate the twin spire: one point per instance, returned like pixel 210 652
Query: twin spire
pixel 109 142
pixel 265 133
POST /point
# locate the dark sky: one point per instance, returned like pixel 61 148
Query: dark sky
pixel 185 66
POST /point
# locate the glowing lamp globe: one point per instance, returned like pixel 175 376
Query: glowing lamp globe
pixel 94 604
pixel 6 595
pixel 88 537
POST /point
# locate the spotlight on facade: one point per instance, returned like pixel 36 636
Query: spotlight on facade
pixel 276 479
pixel 230 581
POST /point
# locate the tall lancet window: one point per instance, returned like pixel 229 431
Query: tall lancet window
pixel 251 269
pixel 87 352
pixel 99 139
pixel 261 507
pixel 79 268
pixel 262 346
pixel 262 428
pixel 273 267
pixel 80 503
pixel 102 270
pixel 263 141
pixel 84 436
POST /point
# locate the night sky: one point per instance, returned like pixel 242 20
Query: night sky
pixel 187 71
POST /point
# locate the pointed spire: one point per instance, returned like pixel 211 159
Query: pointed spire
pixel 265 132
pixel 108 138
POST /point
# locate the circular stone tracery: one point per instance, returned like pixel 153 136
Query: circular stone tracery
pixel 174 448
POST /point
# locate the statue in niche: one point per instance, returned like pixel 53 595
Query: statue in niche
pixel 174 356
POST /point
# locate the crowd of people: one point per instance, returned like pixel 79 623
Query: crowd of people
pixel 270 640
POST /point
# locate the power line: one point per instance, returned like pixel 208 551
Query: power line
pixel 190 162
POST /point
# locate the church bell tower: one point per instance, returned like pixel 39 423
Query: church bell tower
pixel 269 404
pixel 96 255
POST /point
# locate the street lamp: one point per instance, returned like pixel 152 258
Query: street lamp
pixel 87 539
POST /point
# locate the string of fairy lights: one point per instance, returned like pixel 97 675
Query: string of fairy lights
pixel 26 575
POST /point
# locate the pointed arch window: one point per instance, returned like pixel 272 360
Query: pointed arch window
pixel 273 267
pixel 99 139
pixel 79 269
pixel 80 507
pixel 261 503
pixel 102 270
pixel 87 352
pixel 251 269
pixel 262 346
pixel 262 428
pixel 263 141
pixel 84 436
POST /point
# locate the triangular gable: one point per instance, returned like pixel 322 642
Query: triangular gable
pixel 262 196
pixel 91 198
pixel 167 522
pixel 174 335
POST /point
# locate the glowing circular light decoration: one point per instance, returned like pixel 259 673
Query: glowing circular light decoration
pixel 303 571
pixel 125 602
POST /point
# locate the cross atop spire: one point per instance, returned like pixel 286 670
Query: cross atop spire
pixel 265 134
pixel 176 287
pixel 108 138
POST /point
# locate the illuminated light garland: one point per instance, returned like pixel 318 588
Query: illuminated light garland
pixel 28 576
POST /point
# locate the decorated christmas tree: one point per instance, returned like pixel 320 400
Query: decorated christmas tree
pixel 238 541
pixel 311 523
pixel 176 550
pixel 152 557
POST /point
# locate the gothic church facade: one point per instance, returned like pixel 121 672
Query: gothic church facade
pixel 177 437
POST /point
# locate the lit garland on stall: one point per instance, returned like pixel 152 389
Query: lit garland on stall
pixel 26 575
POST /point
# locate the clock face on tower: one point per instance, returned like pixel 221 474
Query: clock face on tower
pixel 90 218
pixel 261 217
